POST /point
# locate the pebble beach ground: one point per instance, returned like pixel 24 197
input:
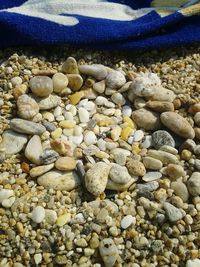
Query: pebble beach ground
pixel 100 158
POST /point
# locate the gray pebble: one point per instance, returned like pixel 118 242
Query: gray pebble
pixel 49 156
pixel 173 214
pixel 27 127
pixel 49 126
pixel 161 137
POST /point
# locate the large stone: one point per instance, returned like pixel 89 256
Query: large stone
pixel 146 119
pixel 39 170
pixel 58 180
pixel 161 138
pixel 12 142
pixel 177 124
pixel 26 127
pixel 173 214
pixel 34 150
pixel 163 156
pixel 41 86
pixel 27 107
pixel 119 174
pixel 49 102
pixel 96 178
pixel 180 190
pixel 97 71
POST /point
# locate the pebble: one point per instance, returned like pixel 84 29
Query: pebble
pixel 49 102
pixel 118 99
pixel 177 124
pixel 75 81
pixel 169 149
pixel 173 214
pixel 59 180
pixel 127 221
pixel 111 185
pixel 180 190
pixel 193 263
pixel 50 216
pixel 26 127
pixel 161 137
pixel 147 187
pixel 5 194
pixel 108 251
pixel 27 107
pixel 67 124
pixel 147 141
pixel 39 170
pixel 63 219
pixel 152 164
pixel 41 86
pixel 160 106
pixel 197 119
pixel 16 81
pixel 138 135
pixel 60 82
pixel 115 79
pixel 65 164
pixel 76 97
pixel 136 167
pixel 49 156
pixel 34 150
pixel 163 94
pixel 97 71
pixel 163 156
pixel 70 66
pixel 96 178
pixel 119 174
pixel 38 214
pixel 115 133
pixel 38 258
pixel 193 184
pixel 146 119
pixel 90 138
pixel 7 203
pixel 145 83
pixel 126 111
pixel 175 171
pixel 151 176
pixel 12 142
pixel 83 115
pixel 100 87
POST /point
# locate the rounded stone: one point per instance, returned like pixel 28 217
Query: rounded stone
pixel 108 252
pixel 60 82
pixel 90 138
pixel 175 171
pixel 97 71
pixel 152 164
pixel 146 119
pixel 197 119
pixel 119 174
pixel 41 86
pixel 177 124
pixel 193 184
pixel 127 221
pixel 26 127
pixel 65 164
pixel 151 176
pixel 136 167
pixel 38 214
pixel 96 178
pixel 115 79
pixel 83 115
pixel 161 138
pixel 27 107
pixel 180 190
pixel 34 150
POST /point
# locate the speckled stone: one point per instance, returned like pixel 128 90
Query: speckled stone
pixel 161 138
pixel 108 252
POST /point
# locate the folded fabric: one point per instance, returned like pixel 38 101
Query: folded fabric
pixel 110 24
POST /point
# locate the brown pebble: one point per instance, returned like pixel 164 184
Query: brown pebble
pixel 65 164
pixel 160 106
pixel 135 167
pixel 197 132
pixel 186 154
pixel 194 108
pixel 177 103
pixel 25 167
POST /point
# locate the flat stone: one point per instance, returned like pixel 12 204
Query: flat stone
pixel 163 156
pixel 41 86
pixel 96 178
pixel 173 214
pixel 49 102
pixel 38 214
pixel 108 252
pixel 161 138
pixel 39 170
pixel 111 185
pixel 97 71
pixel 193 184
pixel 180 189
pixel 151 176
pixel 177 124
pixel 163 94
pixel 12 142
pixel 59 180
pixel 49 156
pixel 65 164
pixel 26 127
pixel 135 167
pixel 34 150
pixel 119 174
pixel 160 106
pixel 152 164
pixel 146 119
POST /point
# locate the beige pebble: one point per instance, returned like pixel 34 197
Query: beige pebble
pixel 65 164
pixel 75 81
pixel 70 66
pixel 146 119
pixel 135 167
pixel 60 82
pixel 27 107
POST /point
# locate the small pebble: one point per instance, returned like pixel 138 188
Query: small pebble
pixel 38 214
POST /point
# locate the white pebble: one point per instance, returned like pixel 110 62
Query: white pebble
pixel 126 111
pixel 57 111
pixel 83 115
pixel 118 99
pixel 5 194
pixel 138 135
pixel 127 221
pixel 38 214
pixel 101 144
pixel 76 140
pixel 90 138
pixel 147 142
pixel 193 263
pixel 100 100
pixel 16 81
pixel 68 116
pixel 78 130
pixel 38 258
pixel 60 118
pixel 151 176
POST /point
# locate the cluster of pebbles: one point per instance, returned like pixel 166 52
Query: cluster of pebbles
pixel 100 166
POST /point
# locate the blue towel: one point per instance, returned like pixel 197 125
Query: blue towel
pixel 104 24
